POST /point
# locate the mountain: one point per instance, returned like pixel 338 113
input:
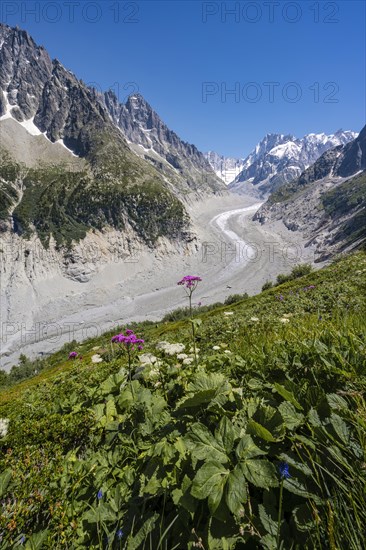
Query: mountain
pixel 327 202
pixel 151 139
pixel 115 184
pixel 226 168
pixel 279 159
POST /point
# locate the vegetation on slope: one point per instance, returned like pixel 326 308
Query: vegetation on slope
pixel 348 199
pixel 113 191
pixel 260 446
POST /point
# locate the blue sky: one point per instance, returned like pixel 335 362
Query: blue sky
pixel 293 67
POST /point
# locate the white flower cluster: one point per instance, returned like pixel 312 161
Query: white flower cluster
pixel 170 349
pixel 4 425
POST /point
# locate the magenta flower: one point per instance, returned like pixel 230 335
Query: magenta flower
pixel 129 341
pixel 189 281
pixel 73 355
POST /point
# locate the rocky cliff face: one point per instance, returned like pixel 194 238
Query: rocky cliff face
pixel 327 203
pixel 279 159
pixel 151 139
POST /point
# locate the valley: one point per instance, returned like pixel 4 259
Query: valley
pixel 96 294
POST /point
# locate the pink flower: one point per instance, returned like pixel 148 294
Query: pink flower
pixel 73 355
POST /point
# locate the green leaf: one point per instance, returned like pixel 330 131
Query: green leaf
pixel 291 418
pixel 257 429
pixel 204 446
pixel 268 519
pixel 295 486
pixel 270 419
pixel 5 478
pixel 260 472
pixel 209 483
pixel 225 434
pixel 247 448
pixel 236 490
pixel 36 541
pixel 196 322
pixel 288 396
pixel 203 389
pixel 340 428
pixel 135 542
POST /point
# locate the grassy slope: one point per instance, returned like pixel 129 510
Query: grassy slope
pixel 76 428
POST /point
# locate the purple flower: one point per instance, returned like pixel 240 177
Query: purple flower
pixel 119 534
pixel 283 468
pixel 189 281
pixel 129 340
pixel 280 297
pixel 22 540
pixel 100 494
pixel 73 355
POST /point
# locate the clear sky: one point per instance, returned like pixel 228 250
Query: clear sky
pixel 293 67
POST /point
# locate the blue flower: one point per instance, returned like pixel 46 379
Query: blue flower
pixel 119 534
pixel 100 494
pixel 22 540
pixel 283 469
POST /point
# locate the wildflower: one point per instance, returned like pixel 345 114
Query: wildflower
pixel 199 304
pixel 96 358
pixel 228 313
pixel 73 355
pixel 189 281
pixel 284 320
pixel 147 359
pixel 100 494
pixel 216 348
pixel 182 356
pixel 283 468
pixel 280 297
pixel 188 361
pixel 170 349
pixel 119 534
pixel 4 424
pixel 228 352
pixel 255 319
pixel 22 539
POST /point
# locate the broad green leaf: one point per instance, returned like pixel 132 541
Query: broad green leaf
pixel 291 418
pixel 225 434
pixel 295 486
pixel 136 541
pixel 204 446
pixel 270 419
pixel 260 472
pixel 340 428
pixel 209 483
pixel 336 401
pixel 257 429
pixel 236 490
pixel 247 448
pixel 5 478
pixel 303 518
pixel 36 541
pixel 288 396
pixel 268 519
